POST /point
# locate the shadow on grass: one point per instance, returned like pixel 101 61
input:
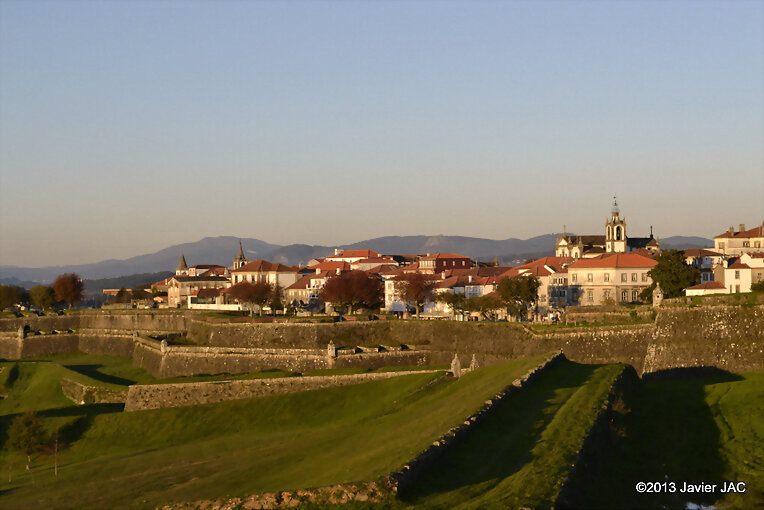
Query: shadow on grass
pixel 501 444
pixel 661 431
pixel 71 430
pixel 93 372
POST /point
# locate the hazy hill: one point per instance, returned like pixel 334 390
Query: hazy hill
pixel 685 242
pixel 210 250
pixel 221 250
pixel 128 282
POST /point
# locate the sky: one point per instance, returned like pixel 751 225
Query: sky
pixel 127 127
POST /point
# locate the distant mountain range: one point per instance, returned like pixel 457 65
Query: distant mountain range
pixel 221 250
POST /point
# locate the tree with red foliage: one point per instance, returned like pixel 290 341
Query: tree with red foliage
pixel 416 289
pixel 68 288
pixel 352 290
pixel 259 293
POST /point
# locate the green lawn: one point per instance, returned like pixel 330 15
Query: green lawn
pixel 306 439
pixel 692 429
pixel 520 456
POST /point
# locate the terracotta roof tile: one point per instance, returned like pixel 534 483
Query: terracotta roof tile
pixel 615 260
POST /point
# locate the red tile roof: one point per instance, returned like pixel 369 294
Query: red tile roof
pixel 366 254
pixel 615 260
pixel 331 265
pixel 435 256
pixel 205 293
pixel 751 232
pixel 263 266
pixel 375 260
pixel 700 252
pixel 738 265
pixel 707 285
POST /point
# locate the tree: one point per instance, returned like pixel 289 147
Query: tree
pixel 453 300
pixel 758 286
pixel 42 296
pixel 10 295
pixel 140 295
pixel 483 304
pixel 259 293
pixel 352 290
pixel 416 289
pixel 27 435
pixel 274 300
pixel 68 288
pixel 122 296
pixel 518 293
pixel 672 274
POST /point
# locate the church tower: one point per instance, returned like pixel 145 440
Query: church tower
pixel 615 231
pixel 182 269
pixel 240 259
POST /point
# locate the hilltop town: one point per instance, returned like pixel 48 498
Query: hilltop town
pixel 612 268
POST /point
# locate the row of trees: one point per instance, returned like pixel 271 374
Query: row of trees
pixel 66 289
pixel 258 294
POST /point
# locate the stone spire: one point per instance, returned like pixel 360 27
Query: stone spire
pixel 240 259
pixel 182 267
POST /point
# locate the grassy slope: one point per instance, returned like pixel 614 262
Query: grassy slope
pixel 235 448
pixel 695 429
pixel 521 454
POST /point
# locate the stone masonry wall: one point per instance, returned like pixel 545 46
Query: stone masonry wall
pixel 729 337
pixel 82 394
pixel 155 396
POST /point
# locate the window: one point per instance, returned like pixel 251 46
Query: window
pixel 607 277
pixel 606 294
pixel 721 246
pixel 575 278
pixel 746 244
pixel 634 277
pixel 757 244
pixel 737 275
pixel 634 295
pixel 644 277
pixel 737 288
pixel 589 277
pixel 590 295
pixel 624 277
pixel 624 295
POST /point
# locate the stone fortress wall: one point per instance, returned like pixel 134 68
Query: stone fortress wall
pixel 728 337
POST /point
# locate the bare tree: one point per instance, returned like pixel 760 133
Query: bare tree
pixel 416 289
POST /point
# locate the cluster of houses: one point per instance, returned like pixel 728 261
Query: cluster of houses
pixel 586 270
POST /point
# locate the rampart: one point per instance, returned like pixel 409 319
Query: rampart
pixel 83 394
pixel 155 396
pixel 726 336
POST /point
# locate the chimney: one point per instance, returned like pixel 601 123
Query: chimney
pixel 469 278
pixel 337 251
pixel 742 227
pixel 731 230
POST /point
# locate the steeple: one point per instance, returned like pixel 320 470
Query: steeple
pixel 182 267
pixel 240 259
pixel 615 231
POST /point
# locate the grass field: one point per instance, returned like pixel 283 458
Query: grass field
pixel 520 456
pixel 236 448
pixel 688 428
pixel 692 429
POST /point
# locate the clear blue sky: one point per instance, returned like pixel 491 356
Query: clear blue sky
pixel 126 127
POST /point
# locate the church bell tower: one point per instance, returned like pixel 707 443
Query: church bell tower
pixel 240 259
pixel 615 231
